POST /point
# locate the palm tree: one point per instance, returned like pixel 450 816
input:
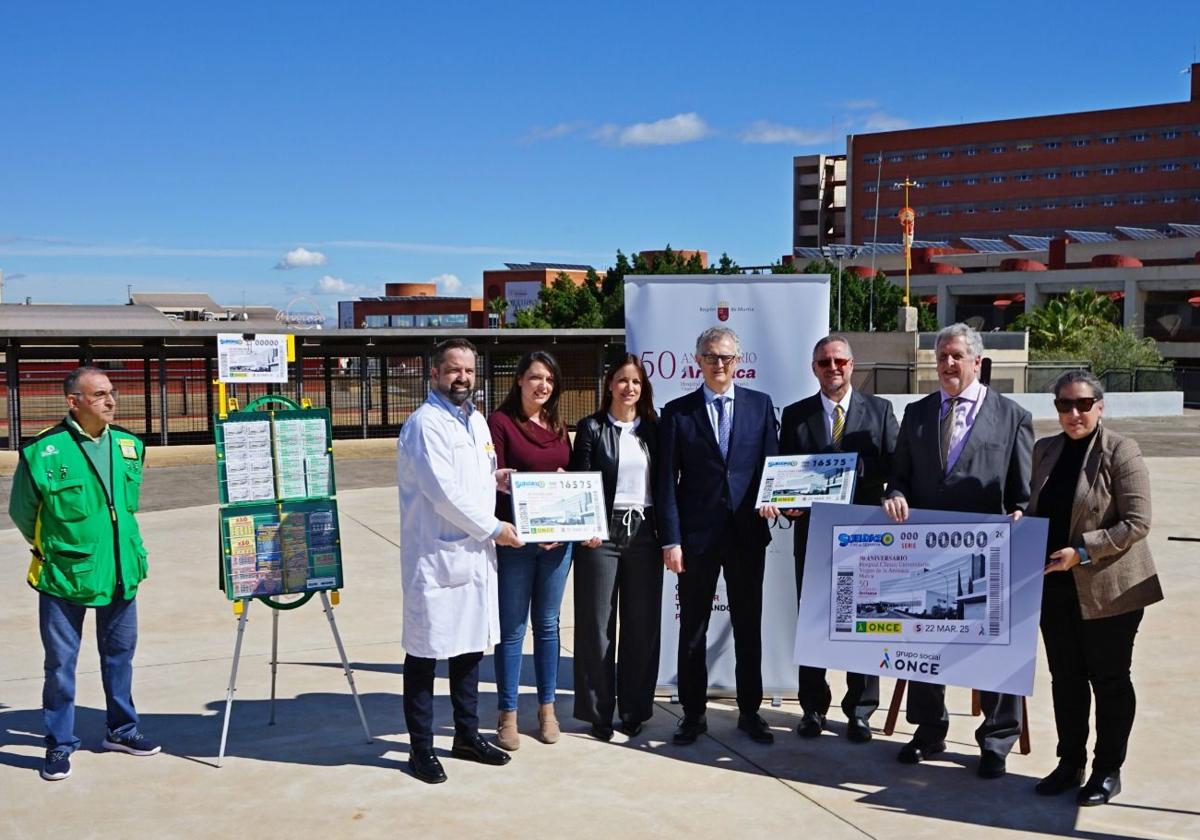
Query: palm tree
pixel 498 306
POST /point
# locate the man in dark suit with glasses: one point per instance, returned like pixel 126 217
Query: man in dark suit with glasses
pixel 838 418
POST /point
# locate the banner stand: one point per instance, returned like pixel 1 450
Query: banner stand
pixel 242 607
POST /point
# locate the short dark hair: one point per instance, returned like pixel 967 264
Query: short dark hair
pixel 645 403
pixel 441 349
pixel 71 383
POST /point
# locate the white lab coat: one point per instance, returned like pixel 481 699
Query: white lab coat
pixel 447 558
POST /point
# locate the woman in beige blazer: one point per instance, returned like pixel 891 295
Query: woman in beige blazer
pixel 1093 486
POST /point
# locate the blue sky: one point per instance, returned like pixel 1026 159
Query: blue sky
pixel 194 147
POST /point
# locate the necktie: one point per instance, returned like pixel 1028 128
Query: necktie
pixel 724 424
pixel 947 430
pixel 839 426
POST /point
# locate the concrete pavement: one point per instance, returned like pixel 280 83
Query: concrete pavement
pixel 312 774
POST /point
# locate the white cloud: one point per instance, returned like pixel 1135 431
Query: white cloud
pixel 328 285
pixel 553 132
pixel 448 284
pixel 300 258
pixel 670 131
pixel 763 131
pixel 879 121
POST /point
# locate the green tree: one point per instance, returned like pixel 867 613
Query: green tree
pixel 565 305
pixel 1081 327
pixel 1068 324
pixel 861 295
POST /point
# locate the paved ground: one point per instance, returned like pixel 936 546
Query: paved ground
pixel 312 774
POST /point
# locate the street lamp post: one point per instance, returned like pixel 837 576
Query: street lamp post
pixel 841 252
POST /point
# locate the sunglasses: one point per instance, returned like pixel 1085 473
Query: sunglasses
pixel 1083 405
pixel 826 363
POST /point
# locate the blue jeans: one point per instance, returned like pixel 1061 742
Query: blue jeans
pixel 532 582
pixel 61 625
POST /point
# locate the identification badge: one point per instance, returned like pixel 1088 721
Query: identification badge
pixel 128 449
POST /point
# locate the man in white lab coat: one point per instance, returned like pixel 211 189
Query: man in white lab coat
pixel 446 468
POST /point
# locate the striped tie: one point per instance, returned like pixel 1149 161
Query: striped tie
pixel 947 431
pixel 839 426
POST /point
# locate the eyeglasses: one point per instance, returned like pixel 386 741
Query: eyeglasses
pixel 825 363
pixel 97 397
pixel 1082 404
pixel 717 358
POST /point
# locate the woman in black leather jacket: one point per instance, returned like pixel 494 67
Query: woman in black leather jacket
pixel 623 575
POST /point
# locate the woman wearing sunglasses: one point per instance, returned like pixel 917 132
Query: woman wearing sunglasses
pixel 1093 486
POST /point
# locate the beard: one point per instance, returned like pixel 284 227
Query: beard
pixel 457 393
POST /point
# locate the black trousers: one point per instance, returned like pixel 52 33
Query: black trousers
pixel 743 568
pixel 1089 657
pixel 418 696
pixel 1001 717
pixel 618 674
pixel 862 690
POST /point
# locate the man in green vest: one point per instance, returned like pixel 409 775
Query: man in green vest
pixel 74 496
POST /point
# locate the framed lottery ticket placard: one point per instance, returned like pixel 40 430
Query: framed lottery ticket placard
pixel 559 506
pixel 796 481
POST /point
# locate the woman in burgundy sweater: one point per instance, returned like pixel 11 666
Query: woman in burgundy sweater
pixel 530 437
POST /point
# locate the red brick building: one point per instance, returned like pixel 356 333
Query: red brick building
pixel 1093 170
pixel 411 305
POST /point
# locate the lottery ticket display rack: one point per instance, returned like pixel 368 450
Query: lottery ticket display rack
pixel 278 523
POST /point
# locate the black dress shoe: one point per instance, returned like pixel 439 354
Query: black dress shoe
pixel 914 752
pixel 602 732
pixel 756 728
pixel 858 730
pixel 690 728
pixel 632 728
pixel 476 748
pixel 1100 788
pixel 425 765
pixel 1061 779
pixel 810 725
pixel 991 766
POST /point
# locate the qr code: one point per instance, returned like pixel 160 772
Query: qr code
pixel 843 615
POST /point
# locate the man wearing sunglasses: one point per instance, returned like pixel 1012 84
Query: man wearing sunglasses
pixel 712 444
pixel 962 448
pixel 838 419
pixel 75 492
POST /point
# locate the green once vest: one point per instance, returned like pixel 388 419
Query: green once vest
pixel 83 538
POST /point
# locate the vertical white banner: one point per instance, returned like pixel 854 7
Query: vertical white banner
pixel 778 317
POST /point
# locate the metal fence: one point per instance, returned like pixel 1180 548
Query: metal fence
pixel 168 396
pixel 372 385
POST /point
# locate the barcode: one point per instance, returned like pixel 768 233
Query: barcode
pixel 843 619
pixel 995 590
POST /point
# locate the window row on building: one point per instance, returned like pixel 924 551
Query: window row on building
pixel 1104 170
pixel 384 321
pixel 1075 142
pixel 1027 204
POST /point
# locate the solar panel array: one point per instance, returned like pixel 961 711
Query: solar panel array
pixel 552 266
pixel 1140 233
pixel 1091 236
pixel 987 246
pixel 1031 243
pixel 1185 230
